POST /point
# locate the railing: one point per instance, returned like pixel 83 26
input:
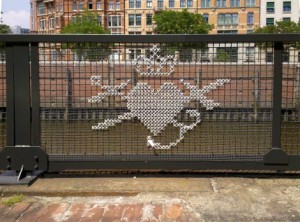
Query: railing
pixel 150 102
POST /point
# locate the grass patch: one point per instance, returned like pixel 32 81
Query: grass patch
pixel 10 201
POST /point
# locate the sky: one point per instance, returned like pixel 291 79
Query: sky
pixel 16 12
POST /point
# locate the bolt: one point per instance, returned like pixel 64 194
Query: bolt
pixel 8 167
pixel 36 158
pixel 8 158
pixel 36 166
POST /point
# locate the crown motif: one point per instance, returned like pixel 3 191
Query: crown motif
pixel 155 60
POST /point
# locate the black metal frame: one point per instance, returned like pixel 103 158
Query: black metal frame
pixel 23 120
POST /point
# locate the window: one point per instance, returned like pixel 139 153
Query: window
pixel 160 3
pixel 135 3
pixel 182 3
pixel 114 21
pixel 73 18
pixel 57 23
pixel 149 19
pixel 42 24
pixel 131 3
pixel 134 33
pixel 270 7
pixel 250 18
pixel 134 53
pixel 99 5
pixel 221 3
pixel 74 6
pixel 90 5
pixel 228 19
pixel 135 19
pixel 287 7
pixel 138 19
pixel 298 56
pixel 31 9
pixel 249 54
pixel 250 31
pixel 286 56
pixel 149 3
pixel 286 19
pixel 250 3
pixel 205 16
pixel 53 55
pixel 269 56
pixel 171 4
pixel 99 20
pixel 81 5
pixel 111 6
pixel 270 21
pixel 61 8
pixel 41 9
pixel 51 23
pixel 234 3
pixel 205 4
pixel 227 31
pixel 189 3
pixel 117 5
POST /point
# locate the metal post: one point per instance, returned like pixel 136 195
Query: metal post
pixel 22 156
pixel 276 155
pixel 35 85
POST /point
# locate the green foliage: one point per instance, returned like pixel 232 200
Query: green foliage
pixel 184 22
pixel 280 27
pixel 4 29
pixel 86 23
pixel 13 200
pixel 222 56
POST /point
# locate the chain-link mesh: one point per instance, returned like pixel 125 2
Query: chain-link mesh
pixel 150 101
pixel 2 99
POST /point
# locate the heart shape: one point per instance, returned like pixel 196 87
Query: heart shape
pixel 156 109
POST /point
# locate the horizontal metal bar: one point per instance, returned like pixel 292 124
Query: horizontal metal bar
pixel 151 38
pixel 294 165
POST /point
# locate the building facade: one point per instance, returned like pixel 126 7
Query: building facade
pixel 279 10
pixel 227 16
pixel 135 16
pixel 50 16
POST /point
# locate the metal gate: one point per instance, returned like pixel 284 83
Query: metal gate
pixel 169 102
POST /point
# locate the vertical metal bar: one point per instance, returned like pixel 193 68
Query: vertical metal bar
pixel 22 94
pixel 35 89
pixel 10 110
pixel 277 95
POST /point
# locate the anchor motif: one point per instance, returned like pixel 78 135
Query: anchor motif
pixel 156 109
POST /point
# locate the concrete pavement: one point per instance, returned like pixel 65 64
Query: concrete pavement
pixel 137 198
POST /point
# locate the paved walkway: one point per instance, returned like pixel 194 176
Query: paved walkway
pixel 155 199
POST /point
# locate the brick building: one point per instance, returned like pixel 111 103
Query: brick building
pixel 50 16
pixel 135 16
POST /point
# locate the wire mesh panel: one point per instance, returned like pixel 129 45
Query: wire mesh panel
pixel 290 126
pixel 2 99
pixel 157 101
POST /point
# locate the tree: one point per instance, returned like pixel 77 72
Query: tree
pixel 280 27
pixel 4 29
pixel 184 22
pixel 222 56
pixel 86 23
